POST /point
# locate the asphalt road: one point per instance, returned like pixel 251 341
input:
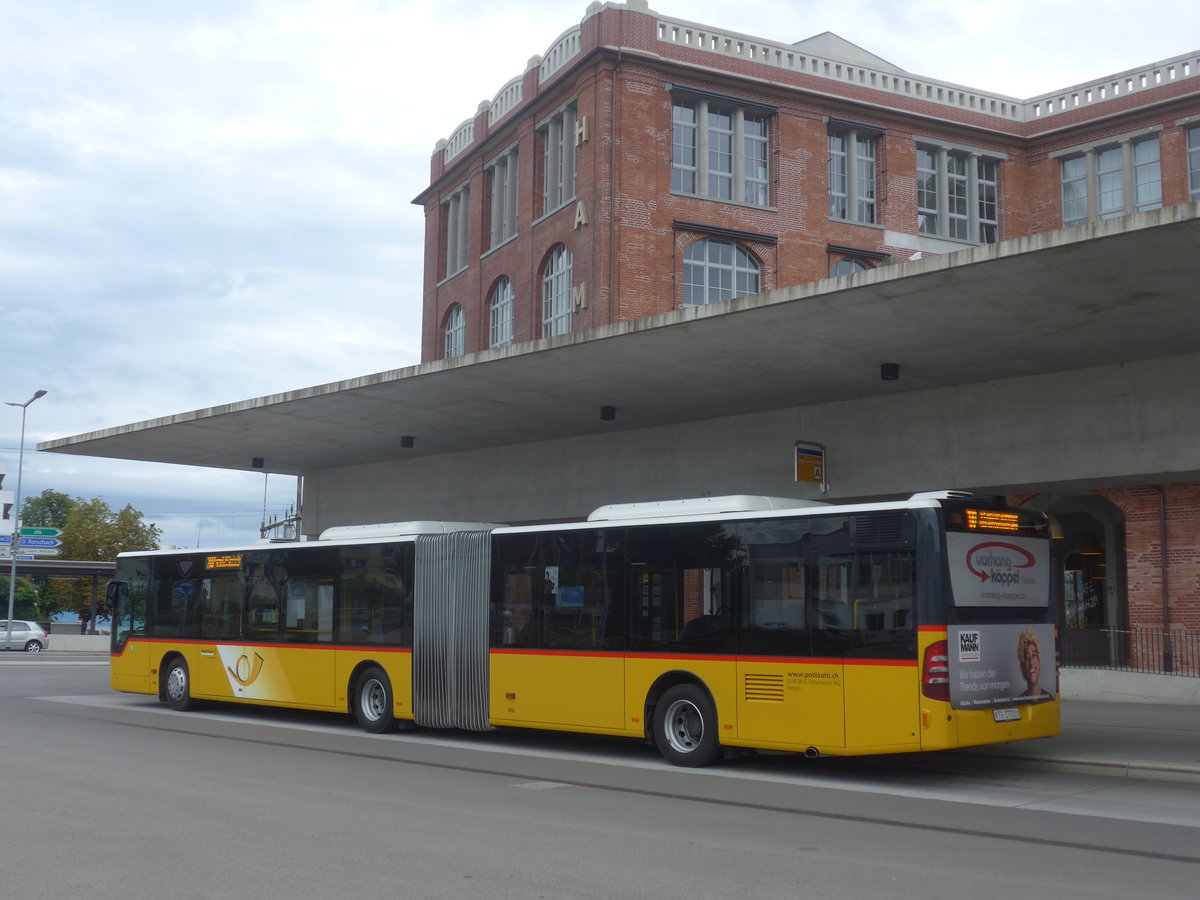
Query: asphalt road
pixel 113 795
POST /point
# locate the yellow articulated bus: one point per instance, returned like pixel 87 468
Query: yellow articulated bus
pixel 720 622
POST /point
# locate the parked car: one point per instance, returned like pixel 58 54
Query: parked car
pixel 27 636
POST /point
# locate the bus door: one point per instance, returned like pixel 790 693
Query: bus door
pixel 789 694
pixel 866 606
pixel 131 660
pixel 220 600
pixel 556 626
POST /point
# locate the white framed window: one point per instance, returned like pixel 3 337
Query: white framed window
pixel 852 172
pixel 502 176
pixel 1074 190
pixel 715 270
pixel 455 332
pixel 1193 151
pixel 455 214
pixel 847 266
pixel 1147 176
pixel 1107 181
pixel 556 293
pixel 720 150
pixel 558 139
pixel 501 313
pixel 957 194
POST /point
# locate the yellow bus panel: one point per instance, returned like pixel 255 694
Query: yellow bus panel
pixel 551 689
pixel 882 705
pixel 790 704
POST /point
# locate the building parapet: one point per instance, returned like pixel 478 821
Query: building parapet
pixel 791 57
pixel 786 56
pixel 462 138
pixel 1113 86
pixel 510 97
pixel 560 53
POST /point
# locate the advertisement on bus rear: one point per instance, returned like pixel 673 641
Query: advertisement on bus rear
pixel 998 570
pixel 1001 665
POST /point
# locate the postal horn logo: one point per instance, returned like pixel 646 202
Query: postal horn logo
pixel 245 672
pixel 995 560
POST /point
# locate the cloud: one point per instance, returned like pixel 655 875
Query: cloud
pixel 208 200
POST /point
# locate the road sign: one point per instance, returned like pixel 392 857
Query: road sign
pixel 39 542
pixel 41 532
pixel 37 551
pixel 5 538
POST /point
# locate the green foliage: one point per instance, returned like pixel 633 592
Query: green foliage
pixel 93 531
pixel 25 602
pixel 49 509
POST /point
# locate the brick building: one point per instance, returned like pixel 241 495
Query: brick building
pixel 647 164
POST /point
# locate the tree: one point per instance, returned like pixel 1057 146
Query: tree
pixel 49 509
pixel 25 600
pixel 92 531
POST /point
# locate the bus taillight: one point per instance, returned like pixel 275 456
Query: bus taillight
pixel 935 671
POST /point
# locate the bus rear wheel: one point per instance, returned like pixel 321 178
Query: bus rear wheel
pixel 685 727
pixel 177 685
pixel 373 701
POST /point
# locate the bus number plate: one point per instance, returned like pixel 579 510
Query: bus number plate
pixel 1008 714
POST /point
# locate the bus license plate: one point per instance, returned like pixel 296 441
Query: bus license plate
pixel 1008 714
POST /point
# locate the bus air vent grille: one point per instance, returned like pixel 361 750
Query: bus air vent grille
pixel 767 688
pixel 882 528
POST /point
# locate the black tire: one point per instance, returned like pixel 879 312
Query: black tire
pixel 177 685
pixel 33 647
pixel 685 727
pixel 373 701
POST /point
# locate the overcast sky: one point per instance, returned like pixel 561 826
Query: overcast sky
pixel 203 201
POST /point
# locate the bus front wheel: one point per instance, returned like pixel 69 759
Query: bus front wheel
pixel 373 701
pixel 177 685
pixel 685 727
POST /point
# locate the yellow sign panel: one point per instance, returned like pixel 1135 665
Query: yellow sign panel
pixel 231 561
pixel 810 463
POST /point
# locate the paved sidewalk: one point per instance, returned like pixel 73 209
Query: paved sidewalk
pixel 1124 740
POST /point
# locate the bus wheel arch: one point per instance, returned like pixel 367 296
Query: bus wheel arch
pixel 681 719
pixel 175 683
pixel 371 699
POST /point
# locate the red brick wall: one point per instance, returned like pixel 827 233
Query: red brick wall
pixel 629 254
pixel 1143 553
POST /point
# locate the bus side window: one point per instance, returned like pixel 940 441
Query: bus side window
pixel 679 587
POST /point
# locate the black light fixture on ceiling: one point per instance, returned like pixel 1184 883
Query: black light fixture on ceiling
pixel 1089 546
pixel 608 413
pixel 1073 563
pixel 406 441
pixel 889 371
pixel 258 462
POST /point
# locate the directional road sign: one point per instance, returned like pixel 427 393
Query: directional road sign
pixel 41 532
pixel 38 551
pixel 40 542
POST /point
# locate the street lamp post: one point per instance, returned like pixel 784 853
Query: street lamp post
pixel 16 516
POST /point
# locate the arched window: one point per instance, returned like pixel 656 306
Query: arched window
pixel 556 293
pixel 847 266
pixel 500 314
pixel 717 270
pixel 456 332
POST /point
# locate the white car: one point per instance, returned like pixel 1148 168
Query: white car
pixel 27 636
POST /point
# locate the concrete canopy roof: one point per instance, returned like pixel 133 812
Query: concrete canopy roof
pixel 1118 291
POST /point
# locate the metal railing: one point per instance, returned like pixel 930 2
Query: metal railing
pixel 1131 650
